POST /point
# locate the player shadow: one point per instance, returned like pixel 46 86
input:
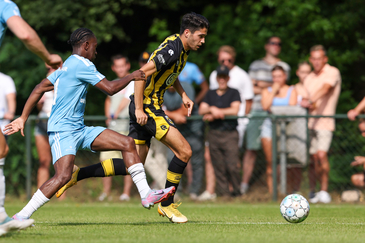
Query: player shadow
pixel 107 223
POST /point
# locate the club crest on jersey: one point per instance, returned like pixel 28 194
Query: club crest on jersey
pixel 171 79
pixel 171 52
pixel 161 59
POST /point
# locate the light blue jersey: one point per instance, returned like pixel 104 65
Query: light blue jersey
pixel 70 88
pixel 7 10
pixel 191 74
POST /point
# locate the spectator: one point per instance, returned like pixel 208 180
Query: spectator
pixel 191 130
pixel 260 73
pixel 238 79
pixel 116 111
pixel 358 179
pixel 192 74
pixel 156 162
pixel 324 86
pixel 209 193
pixel 280 94
pixel 353 113
pixel 302 72
pixel 222 135
pixel 40 132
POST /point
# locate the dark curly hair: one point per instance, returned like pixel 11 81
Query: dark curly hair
pixel 79 36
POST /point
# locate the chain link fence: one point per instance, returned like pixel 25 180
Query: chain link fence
pixel 290 158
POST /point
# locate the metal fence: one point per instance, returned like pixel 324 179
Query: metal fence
pixel 21 163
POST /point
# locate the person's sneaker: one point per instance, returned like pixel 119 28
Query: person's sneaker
pixel 206 196
pixel 11 224
pixel 172 213
pixel 315 199
pixel 102 197
pixel 71 183
pixel 193 196
pixel 324 197
pixel 124 197
pixel 158 196
pixel 244 188
pixel 312 194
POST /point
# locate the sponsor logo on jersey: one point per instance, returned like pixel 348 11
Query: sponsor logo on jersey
pixel 163 127
pixel 161 59
pixel 169 120
pixel 171 79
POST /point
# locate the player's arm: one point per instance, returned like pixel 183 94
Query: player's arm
pixel 113 87
pixel 352 114
pixel 188 103
pixel 149 68
pixel 31 40
pixel 35 96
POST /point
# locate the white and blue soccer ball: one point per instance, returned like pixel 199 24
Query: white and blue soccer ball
pixel 294 208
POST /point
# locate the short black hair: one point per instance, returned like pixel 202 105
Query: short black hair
pixel 79 36
pixel 277 67
pixel 119 56
pixel 193 22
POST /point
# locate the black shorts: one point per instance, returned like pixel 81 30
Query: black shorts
pixel 158 123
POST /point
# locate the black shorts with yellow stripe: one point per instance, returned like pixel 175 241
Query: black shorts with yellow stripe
pixel 158 123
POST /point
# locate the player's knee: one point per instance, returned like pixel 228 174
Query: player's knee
pixel 187 153
pixel 322 156
pixel 64 178
pixel 4 151
pixel 129 144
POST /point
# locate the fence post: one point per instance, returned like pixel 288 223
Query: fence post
pixel 274 158
pixel 28 146
pixel 282 157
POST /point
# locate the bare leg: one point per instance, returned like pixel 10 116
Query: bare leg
pixel 128 183
pixel 267 147
pixel 45 158
pixel 312 172
pixel 209 172
pixel 325 169
pixel 248 165
pixel 107 185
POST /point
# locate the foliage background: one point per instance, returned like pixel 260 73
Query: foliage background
pixel 132 26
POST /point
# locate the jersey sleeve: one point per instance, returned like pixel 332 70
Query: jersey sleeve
pixel 88 73
pixel 53 76
pixel 165 55
pixel 10 9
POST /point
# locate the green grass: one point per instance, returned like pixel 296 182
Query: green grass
pixel 212 222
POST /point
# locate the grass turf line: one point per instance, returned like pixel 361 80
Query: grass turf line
pixel 213 222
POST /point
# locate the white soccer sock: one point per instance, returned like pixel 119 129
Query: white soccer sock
pixel 37 201
pixel 139 178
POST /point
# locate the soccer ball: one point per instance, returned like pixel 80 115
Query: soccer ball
pixel 294 208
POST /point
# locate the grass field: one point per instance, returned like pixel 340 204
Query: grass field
pixel 211 222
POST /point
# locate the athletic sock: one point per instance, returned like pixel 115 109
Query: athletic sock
pixel 139 178
pixel 174 173
pixel 109 167
pixel 37 201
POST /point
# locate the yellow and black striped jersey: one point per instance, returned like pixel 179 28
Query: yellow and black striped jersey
pixel 170 59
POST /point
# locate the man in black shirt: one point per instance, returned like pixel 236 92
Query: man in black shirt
pixel 222 135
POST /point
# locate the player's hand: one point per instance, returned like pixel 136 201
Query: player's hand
pixel 55 61
pixel 216 112
pixel 188 103
pixel 15 126
pixel 352 114
pixel 359 160
pixel 141 117
pixel 139 75
pixel 208 117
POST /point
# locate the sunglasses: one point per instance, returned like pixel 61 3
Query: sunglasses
pixel 274 43
pixel 223 60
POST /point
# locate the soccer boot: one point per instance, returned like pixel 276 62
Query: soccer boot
pixel 10 224
pixel 172 213
pixel 71 183
pixel 157 196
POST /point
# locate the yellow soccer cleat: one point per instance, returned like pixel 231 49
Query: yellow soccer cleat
pixel 172 213
pixel 71 183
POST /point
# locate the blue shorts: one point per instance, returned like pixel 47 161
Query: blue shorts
pixel 65 143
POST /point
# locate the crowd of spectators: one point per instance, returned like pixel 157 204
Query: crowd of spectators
pixel 218 143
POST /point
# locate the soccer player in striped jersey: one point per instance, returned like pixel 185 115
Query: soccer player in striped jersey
pixel 66 129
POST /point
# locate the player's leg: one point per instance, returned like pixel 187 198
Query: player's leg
pixel 181 148
pixel 63 170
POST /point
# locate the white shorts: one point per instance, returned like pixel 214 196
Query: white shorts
pixel 320 140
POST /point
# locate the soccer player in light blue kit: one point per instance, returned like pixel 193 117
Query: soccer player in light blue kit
pixel 66 129
pixel 10 17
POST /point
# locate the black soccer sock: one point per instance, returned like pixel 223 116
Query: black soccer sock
pixel 109 167
pixel 174 173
